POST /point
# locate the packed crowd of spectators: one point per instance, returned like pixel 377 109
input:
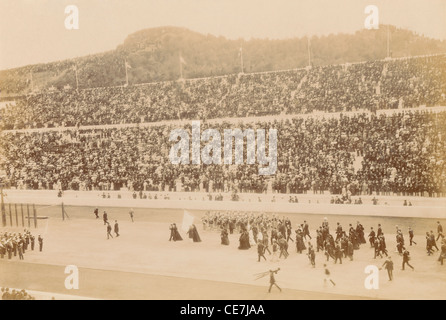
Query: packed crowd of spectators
pixel 351 155
pixel 16 295
pixel 388 84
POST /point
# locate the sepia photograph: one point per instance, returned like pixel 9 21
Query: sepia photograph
pixel 224 150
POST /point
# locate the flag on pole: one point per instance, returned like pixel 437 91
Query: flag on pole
pixel 75 73
pixel 240 54
pixel 188 220
pixel 182 60
pixel 309 51
pixel 127 66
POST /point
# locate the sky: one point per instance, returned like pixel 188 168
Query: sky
pixel 33 31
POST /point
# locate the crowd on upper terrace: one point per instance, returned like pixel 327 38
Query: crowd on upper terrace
pixel 387 84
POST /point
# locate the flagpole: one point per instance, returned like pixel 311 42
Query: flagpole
pixel 32 81
pixel 388 41
pixel 181 67
pixel 309 54
pixel 126 74
pixel 77 80
pixel 241 59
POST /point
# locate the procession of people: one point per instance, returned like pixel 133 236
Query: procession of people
pixel 271 234
pixel 17 244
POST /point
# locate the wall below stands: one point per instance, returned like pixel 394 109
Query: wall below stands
pixel 390 206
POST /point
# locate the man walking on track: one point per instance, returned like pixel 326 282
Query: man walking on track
pixel 105 217
pixel 406 259
pixel 443 252
pixel 272 280
pixel 411 236
pixel 20 248
pixel 306 230
pixel 388 264
pixel 439 230
pixel 131 214
pixel 261 250
pixel 109 229
pixel 327 276
pixel 116 228
pixel 40 240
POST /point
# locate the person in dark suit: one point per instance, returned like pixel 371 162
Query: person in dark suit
pixel 116 228
pixel 96 213
pixel 443 252
pixel 40 240
pixel 406 258
pixel 339 232
pixel 439 230
pixel 382 244
pixel 282 229
pixel 172 233
pixel 26 244
pixel 20 250
pixel 105 218
pixel 261 251
pixel 272 280
pixel 14 247
pixel 429 244
pixel 372 237
pixel 319 240
pixel 433 242
pixel 388 264
pixel 283 245
pixel 338 253
pixel 376 245
pixel 306 230
pixel 311 255
pixel 411 236
pixel 109 230
pixel 231 226
pixel 9 249
pixel 380 230
pixel 351 231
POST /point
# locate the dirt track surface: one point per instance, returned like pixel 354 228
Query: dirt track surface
pixel 143 264
pixel 136 286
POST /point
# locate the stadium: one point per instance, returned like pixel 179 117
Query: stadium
pixel 359 144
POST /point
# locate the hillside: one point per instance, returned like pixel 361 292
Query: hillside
pixel 153 55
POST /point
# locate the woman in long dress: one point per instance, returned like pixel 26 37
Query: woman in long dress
pixel 176 234
pixel 224 237
pixel 193 233
pixel 244 241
